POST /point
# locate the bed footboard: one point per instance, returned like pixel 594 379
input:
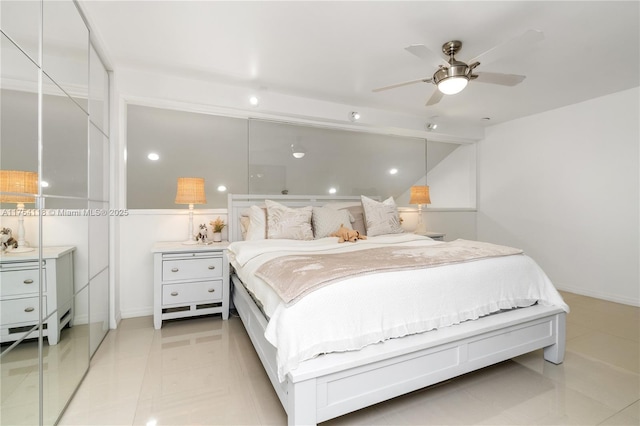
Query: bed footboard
pixel 331 385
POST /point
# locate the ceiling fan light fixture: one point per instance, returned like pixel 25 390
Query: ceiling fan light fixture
pixel 452 85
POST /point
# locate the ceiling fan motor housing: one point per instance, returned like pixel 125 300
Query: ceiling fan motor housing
pixel 456 69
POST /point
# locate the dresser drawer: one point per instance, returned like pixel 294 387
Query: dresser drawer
pixel 16 282
pixel 192 269
pixel 199 292
pixel 24 310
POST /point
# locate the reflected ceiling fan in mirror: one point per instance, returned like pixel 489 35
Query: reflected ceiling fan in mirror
pixel 452 75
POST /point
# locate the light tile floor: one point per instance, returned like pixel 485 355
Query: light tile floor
pixel 205 371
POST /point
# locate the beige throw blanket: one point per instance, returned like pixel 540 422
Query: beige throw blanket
pixel 293 277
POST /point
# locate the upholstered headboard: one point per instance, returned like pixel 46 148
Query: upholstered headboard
pixel 239 203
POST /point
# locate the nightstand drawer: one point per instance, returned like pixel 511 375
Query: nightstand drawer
pixel 191 269
pixel 200 292
pixel 19 282
pixel 16 311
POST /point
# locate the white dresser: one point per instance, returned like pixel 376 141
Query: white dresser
pixel 190 280
pixel 20 286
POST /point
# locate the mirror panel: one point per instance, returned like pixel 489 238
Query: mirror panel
pixel 20 376
pixel 64 145
pixel 19 108
pixel 65 49
pixel 98 309
pixel 217 151
pixel 98 165
pixel 65 364
pixel 339 162
pixel 20 20
pixel 261 159
pixel 98 92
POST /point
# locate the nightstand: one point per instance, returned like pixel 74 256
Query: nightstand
pixel 438 236
pixel 189 280
pixel 22 286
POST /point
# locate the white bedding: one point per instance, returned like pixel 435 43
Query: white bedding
pixel 360 311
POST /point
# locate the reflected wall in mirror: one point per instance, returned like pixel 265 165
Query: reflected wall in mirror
pixel 272 157
pixel 64 147
pixel 20 20
pixel 188 145
pixel 335 162
pixel 65 49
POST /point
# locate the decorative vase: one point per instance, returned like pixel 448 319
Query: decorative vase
pixel 217 237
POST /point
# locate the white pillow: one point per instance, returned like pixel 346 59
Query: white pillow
pixel 257 224
pixel 326 221
pixel 288 223
pixel 381 217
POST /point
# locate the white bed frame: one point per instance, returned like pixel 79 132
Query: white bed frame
pixel 334 384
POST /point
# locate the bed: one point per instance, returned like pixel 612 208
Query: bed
pixel 317 383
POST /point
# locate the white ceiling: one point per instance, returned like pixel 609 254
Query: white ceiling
pixel 340 51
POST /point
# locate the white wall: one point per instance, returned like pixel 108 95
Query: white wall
pixel 564 186
pixel 138 233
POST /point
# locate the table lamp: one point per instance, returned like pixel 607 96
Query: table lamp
pixel 420 196
pixel 190 191
pixel 16 187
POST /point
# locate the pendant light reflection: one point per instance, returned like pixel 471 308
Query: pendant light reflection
pixel 297 150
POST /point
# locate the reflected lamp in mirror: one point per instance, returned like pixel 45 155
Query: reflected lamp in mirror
pixel 190 191
pixel 19 187
pixel 420 196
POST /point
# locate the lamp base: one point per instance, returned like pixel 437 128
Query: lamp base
pixel 421 229
pixel 189 243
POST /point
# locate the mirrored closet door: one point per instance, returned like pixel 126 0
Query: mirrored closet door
pixel 54 183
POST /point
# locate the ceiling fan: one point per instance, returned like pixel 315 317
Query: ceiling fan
pixel 452 75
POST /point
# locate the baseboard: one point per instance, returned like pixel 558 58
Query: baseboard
pixel 599 295
pixel 134 313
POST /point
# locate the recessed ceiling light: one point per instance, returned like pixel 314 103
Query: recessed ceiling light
pixel 44 184
pixel 332 190
pixel 254 101
pixel 354 116
pixel 153 156
pixel 222 188
pixel 393 171
pixel 486 118
pixel 431 126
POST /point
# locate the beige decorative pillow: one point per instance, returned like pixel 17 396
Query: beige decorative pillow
pixel 356 214
pixel 326 221
pixel 257 229
pixel 358 223
pixel 285 222
pixel 381 217
pixel 244 226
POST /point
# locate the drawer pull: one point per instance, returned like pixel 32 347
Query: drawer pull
pixel 174 269
pixel 211 290
pixel 212 267
pixel 174 293
pixel 29 309
pixel 28 281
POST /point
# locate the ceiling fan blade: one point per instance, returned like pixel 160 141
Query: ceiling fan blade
pixel 498 78
pixel 510 47
pixel 423 52
pixel 435 98
pixel 406 83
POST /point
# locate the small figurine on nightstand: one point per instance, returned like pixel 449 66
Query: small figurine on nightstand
pixel 8 242
pixel 201 236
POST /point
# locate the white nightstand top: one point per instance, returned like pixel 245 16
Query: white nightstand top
pixel 177 246
pixel 47 253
